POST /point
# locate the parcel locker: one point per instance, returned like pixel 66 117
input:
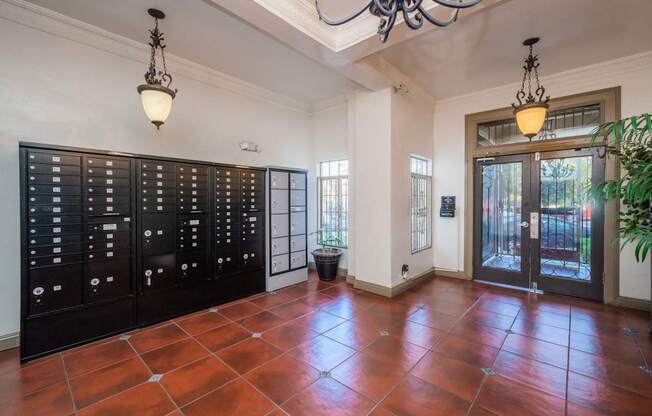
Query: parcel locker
pixel 297 223
pixel 298 181
pixel 280 225
pixel 297 260
pixel 105 280
pixel 287 238
pixel 280 246
pixel 279 201
pixel 226 261
pixel 279 180
pixel 298 242
pixel 159 271
pixel 191 266
pixel 298 198
pixel 158 233
pixel 54 288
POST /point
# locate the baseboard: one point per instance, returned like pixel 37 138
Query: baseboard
pixel 406 284
pixel 451 273
pixel 390 292
pixel 350 279
pixel 340 272
pixel 9 341
pixel 632 303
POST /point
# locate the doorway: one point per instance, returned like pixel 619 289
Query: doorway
pixel 535 225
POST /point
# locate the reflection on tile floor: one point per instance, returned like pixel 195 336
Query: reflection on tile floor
pixel 444 347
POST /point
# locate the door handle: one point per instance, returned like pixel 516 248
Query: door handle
pixel 534 222
pixel 525 224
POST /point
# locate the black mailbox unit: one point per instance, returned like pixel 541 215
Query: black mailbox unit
pixel 113 241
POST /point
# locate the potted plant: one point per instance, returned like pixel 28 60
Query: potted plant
pixel 327 258
pixel 630 142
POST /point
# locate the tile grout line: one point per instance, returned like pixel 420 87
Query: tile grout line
pixel 65 373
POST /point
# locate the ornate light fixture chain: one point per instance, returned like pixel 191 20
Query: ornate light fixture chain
pixel 413 13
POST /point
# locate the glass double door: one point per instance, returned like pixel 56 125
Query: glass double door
pixel 535 224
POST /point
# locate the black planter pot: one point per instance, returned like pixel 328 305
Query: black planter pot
pixel 327 261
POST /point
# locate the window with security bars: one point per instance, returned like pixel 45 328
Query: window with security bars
pixel 333 216
pixel 559 124
pixel 420 202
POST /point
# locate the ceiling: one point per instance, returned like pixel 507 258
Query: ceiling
pixel 485 50
pixel 201 32
pixel 276 44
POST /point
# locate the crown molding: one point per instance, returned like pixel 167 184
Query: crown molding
pixel 575 79
pixel 39 18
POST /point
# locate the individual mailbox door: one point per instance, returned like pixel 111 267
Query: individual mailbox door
pixel 226 261
pixel 280 263
pixel 278 180
pixel 158 233
pixel 297 260
pixel 298 243
pixel 279 200
pixel 297 223
pixel 280 246
pixel 279 225
pixel 297 181
pixel 107 280
pixel 191 266
pixel 298 198
pixel 159 271
pixel 251 257
pixel 54 288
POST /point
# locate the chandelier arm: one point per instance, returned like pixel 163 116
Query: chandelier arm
pixel 415 5
pixel 457 4
pixel 386 28
pixel 384 10
pixel 415 22
pixel 437 22
pixel 337 22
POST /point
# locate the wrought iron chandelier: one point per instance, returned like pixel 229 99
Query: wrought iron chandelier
pixel 413 12
pixel 532 109
pixel 156 94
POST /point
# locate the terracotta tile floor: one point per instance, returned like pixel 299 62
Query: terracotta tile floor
pixel 445 347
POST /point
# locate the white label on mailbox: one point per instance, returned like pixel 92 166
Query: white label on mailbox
pixel 109 227
pixel 109 245
pixel 159 167
pixel 159 232
pixel 159 200
pixel 159 192
pixel 56 199
pixel 56 240
pixel 109 200
pixel 159 271
pixel 56 288
pixel 109 172
pixel 109 254
pixel 109 190
pixel 159 183
pixel 109 181
pixel 109 236
pixel 56 220
pixel 194 222
pixel 56 230
pixel 253 219
pixel 159 208
pixel 56 210
pixel 56 159
pixel 109 279
pixel 56 169
pixel 159 175
pixel 109 209
pixel 56 260
pixel 56 250
pixel 56 179
pixel 109 163
pixel 56 189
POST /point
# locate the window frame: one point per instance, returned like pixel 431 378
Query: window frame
pixel 339 177
pixel 424 179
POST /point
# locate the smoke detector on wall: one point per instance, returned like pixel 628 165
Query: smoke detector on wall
pixel 250 147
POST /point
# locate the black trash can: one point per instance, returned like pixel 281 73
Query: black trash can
pixel 327 261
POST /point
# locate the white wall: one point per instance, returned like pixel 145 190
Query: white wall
pixel 371 200
pixel 329 134
pixel 633 74
pixel 56 90
pixel 412 132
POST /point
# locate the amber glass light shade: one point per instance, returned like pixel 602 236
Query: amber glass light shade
pixel 530 118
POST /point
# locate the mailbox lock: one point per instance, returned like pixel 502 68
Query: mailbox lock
pixel 220 260
pixel 95 281
pixel 184 266
pixel 148 272
pixel 38 291
pixel 148 233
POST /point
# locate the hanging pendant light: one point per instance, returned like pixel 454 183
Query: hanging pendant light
pixel 154 95
pixel 532 109
pixel 414 13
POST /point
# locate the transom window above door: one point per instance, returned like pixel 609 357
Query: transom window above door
pixel 560 124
